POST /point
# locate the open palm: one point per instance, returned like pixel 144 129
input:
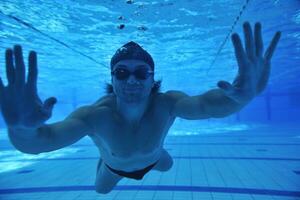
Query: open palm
pixel 20 104
pixel 254 67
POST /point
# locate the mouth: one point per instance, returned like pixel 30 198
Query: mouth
pixel 132 90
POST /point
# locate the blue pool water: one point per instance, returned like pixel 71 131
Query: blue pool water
pixel 251 154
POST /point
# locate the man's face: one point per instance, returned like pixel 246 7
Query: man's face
pixel 132 89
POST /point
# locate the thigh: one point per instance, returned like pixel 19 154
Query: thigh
pixel 105 177
pixel 165 162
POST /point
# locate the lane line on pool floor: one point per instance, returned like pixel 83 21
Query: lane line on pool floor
pixel 156 188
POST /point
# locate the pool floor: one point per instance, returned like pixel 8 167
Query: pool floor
pixel 246 165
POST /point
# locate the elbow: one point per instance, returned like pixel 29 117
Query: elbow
pixel 31 152
pixel 25 148
pixel 221 115
pixel 224 112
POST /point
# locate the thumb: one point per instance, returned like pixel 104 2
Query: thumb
pixel 49 103
pixel 225 86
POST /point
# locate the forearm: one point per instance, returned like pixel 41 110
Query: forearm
pixel 218 105
pixel 29 140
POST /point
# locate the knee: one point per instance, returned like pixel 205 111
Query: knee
pixel 103 190
pixel 169 165
pixel 164 165
pixel 168 162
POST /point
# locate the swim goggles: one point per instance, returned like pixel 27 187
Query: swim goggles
pixel 141 74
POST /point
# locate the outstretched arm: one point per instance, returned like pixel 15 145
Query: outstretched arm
pixel 51 137
pixel 252 78
pixel 212 104
pixel 25 113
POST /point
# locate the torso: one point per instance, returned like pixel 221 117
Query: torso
pixel 127 147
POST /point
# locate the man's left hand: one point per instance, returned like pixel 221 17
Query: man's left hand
pixel 254 67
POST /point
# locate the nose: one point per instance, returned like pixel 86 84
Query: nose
pixel 131 79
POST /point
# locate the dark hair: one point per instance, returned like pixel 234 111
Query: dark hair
pixel 132 50
pixel 155 89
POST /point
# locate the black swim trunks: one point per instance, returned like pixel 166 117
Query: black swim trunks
pixel 137 175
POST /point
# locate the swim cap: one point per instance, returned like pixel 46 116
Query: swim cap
pixel 132 50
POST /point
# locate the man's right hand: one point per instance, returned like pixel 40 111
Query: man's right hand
pixel 19 102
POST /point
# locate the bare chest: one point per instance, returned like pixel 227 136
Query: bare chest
pixel 125 140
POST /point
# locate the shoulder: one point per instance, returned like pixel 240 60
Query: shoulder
pixel 107 100
pixel 172 96
pixel 85 112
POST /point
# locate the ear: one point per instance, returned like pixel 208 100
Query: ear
pixel 112 85
pixel 153 83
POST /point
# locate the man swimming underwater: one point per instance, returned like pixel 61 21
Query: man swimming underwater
pixel 129 124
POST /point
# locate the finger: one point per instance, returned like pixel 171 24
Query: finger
pixel 271 48
pixel 1 90
pixel 49 103
pixel 239 53
pixel 249 44
pixel 10 71
pixel 32 71
pixel 20 67
pixel 258 40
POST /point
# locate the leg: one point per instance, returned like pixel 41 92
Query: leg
pixel 105 179
pixel 165 162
